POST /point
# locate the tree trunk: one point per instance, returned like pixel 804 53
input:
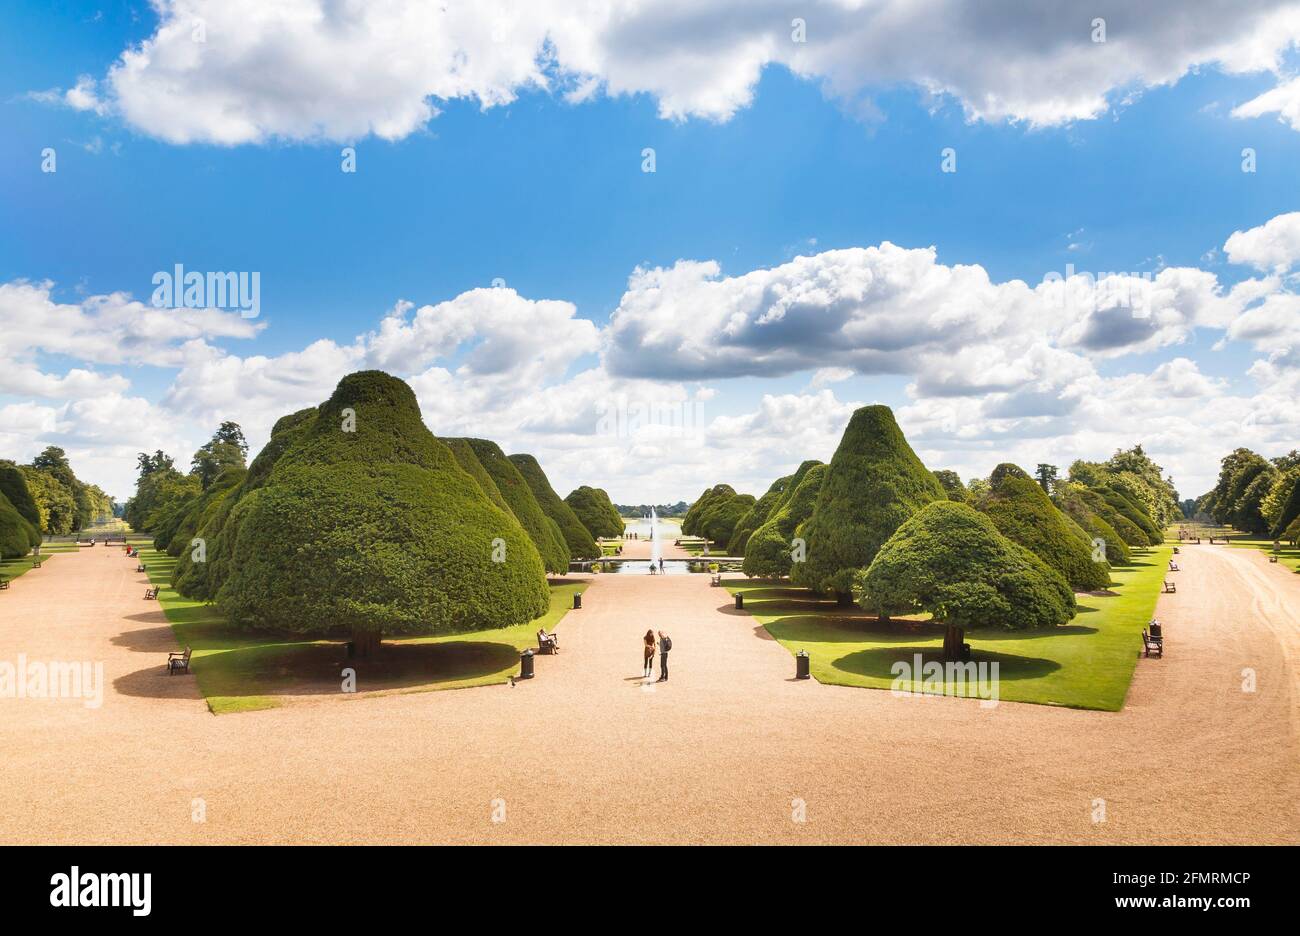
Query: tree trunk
pixel 364 645
pixel 953 639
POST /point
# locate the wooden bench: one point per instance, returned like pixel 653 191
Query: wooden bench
pixel 151 593
pixel 4 581
pixel 178 662
pixel 547 643
pixel 1170 586
pixel 1173 566
pixel 717 579
pixel 1272 558
pixel 1153 643
pixel 36 563
pixel 140 567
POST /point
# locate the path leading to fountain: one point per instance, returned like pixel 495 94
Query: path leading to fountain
pixel 723 752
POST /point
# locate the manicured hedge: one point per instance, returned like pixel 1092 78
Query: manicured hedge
pixel 17 535
pixel 756 516
pixel 364 523
pixel 711 496
pixel 1022 511
pixel 874 483
pixel 518 495
pixel 768 552
pixel 581 543
pixel 951 561
pixel 595 511
pixel 13 485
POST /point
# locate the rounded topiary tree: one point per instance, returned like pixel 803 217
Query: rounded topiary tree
pixel 706 501
pixel 582 545
pixel 718 523
pixel 874 482
pixel 366 525
pixel 595 511
pixel 13 485
pixel 518 495
pixel 1022 511
pixel 951 561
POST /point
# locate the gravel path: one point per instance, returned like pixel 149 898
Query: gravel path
pixel 722 753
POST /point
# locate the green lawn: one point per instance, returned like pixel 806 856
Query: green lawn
pixel 1088 663
pixel 12 568
pixel 240 671
pixel 1288 555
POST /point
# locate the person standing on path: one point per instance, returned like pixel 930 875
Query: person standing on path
pixel 649 652
pixel 665 644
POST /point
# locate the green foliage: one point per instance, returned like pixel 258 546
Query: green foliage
pixel 1132 535
pixel 952 485
pixel 1292 533
pixel 54 502
pixel 17 535
pixel 756 515
pixel 470 463
pixel 595 511
pixel 768 552
pixel 1023 513
pixel 691 522
pixel 581 543
pixel 519 498
pixel 718 523
pixel 13 485
pixel 200 580
pixel 370 529
pixel 217 455
pixel 1069 498
pixel 873 484
pixel 175 496
pixel 1134 514
pixel 952 562
pixel 1289 511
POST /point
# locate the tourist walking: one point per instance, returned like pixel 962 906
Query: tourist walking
pixel 665 644
pixel 649 653
pixel 661 565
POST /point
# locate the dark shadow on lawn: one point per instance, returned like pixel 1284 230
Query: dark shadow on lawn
pixel 820 628
pixel 315 668
pixel 876 662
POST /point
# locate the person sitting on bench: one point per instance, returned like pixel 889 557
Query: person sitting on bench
pixel 1173 566
pixel 547 643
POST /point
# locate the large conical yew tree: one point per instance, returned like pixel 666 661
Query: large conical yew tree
pixel 770 550
pixel 756 516
pixel 365 524
pixel 518 495
pixel 1022 512
pixel 873 484
pixel 582 545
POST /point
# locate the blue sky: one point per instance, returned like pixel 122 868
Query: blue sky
pixel 549 196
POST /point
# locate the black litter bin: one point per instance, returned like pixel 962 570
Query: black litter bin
pixel 526 665
pixel 577 600
pixel 801 665
pixel 740 601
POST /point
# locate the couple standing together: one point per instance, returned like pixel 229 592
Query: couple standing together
pixel 665 644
